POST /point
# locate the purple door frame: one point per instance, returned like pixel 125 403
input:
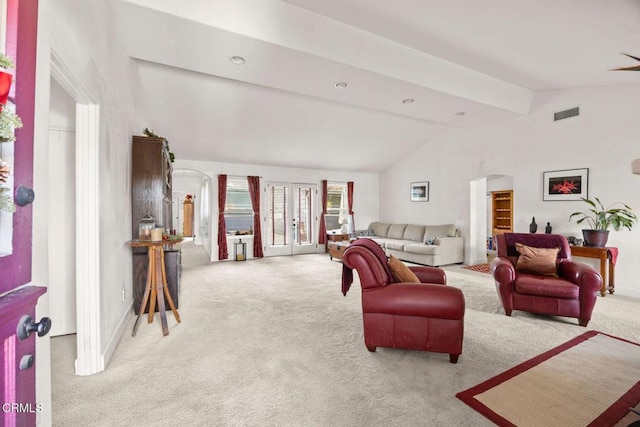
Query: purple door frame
pixel 22 30
pixel 17 365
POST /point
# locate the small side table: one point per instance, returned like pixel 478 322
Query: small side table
pixel 603 254
pixel 157 288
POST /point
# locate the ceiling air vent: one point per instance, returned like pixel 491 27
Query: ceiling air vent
pixel 571 112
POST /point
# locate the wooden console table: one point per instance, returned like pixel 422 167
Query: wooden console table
pixel 603 254
pixel 157 288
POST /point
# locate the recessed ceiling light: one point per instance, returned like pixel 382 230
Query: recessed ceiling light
pixel 341 85
pixel 238 60
pixel 460 113
pixel 408 101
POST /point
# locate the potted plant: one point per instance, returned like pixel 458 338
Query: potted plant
pixel 601 219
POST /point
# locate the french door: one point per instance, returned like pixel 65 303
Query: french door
pixel 290 221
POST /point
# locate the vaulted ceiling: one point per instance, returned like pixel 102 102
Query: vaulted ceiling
pixel 461 63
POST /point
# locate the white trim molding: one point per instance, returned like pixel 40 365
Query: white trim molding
pixel 90 360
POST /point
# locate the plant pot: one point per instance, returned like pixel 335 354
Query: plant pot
pixel 597 238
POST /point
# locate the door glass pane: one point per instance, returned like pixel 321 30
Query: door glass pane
pixel 277 219
pixel 304 216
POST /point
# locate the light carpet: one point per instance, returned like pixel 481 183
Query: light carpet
pixel 591 380
pixel 273 342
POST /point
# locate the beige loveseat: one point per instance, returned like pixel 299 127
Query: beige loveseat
pixel 433 245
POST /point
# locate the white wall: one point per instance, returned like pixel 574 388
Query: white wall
pixel 365 200
pixel 86 40
pixel 603 138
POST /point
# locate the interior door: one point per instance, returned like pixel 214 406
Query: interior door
pixel 291 219
pixel 19 298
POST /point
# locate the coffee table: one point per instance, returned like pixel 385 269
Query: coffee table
pixel 336 249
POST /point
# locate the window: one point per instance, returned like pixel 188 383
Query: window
pixel 238 213
pixel 336 206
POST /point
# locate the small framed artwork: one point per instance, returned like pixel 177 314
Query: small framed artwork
pixel 420 191
pixel 570 184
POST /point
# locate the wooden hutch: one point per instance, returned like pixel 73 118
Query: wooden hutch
pixel 151 195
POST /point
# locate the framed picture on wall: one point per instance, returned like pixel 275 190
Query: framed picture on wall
pixel 420 191
pixel 570 184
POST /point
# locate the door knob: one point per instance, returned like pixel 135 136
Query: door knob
pixel 26 325
pixel 24 195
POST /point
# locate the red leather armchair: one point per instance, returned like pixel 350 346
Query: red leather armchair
pixel 571 294
pixel 425 316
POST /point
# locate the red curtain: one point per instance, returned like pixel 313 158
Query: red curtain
pixel 322 238
pixel 254 194
pixel 350 204
pixel 222 229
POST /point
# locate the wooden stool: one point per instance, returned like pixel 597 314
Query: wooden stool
pixel 157 288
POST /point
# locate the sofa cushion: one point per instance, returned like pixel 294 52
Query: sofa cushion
pixel 379 228
pixel 445 230
pixel 540 261
pixel 365 233
pixel 396 231
pixel 553 287
pixel 421 248
pixel 398 245
pixel 414 232
pixel 401 272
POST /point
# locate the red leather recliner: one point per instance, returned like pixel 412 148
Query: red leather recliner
pixel 571 294
pixel 425 316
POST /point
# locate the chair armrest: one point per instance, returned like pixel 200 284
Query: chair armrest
pixel 415 299
pixel 430 275
pixel 502 270
pixel 583 275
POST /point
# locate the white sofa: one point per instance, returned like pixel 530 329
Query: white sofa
pixel 433 245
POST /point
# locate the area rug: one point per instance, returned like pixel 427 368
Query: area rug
pixel 592 380
pixel 482 268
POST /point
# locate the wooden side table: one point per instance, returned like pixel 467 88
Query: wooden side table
pixel 603 254
pixel 157 288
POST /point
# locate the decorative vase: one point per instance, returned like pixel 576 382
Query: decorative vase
pixel 533 227
pixel 596 238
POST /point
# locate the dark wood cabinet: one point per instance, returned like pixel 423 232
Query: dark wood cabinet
pixel 151 182
pixel 151 195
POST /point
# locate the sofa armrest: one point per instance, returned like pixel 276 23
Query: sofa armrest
pixel 452 249
pixel 430 275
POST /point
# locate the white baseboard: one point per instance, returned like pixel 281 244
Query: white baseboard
pixel 116 337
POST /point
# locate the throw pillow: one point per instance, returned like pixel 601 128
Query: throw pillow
pixel 541 261
pixel 431 240
pixel 401 272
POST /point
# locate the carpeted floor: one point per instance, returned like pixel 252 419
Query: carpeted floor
pixel 273 342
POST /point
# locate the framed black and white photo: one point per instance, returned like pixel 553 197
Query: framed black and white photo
pixel 420 191
pixel 563 185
